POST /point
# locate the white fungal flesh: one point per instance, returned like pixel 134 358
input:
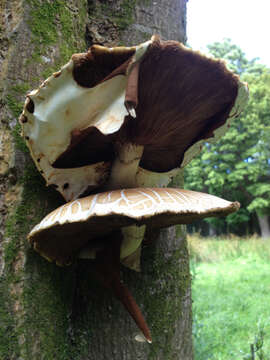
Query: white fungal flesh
pixel 141 338
pixel 133 261
pixel 125 166
pixel 49 128
pixel 62 106
pixel 146 178
pixel 132 239
pixel 73 182
pixel 133 236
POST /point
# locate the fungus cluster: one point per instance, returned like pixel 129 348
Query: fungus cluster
pixel 117 124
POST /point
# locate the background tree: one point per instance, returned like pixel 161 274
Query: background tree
pixel 238 166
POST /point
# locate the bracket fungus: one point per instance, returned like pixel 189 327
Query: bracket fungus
pixel 119 124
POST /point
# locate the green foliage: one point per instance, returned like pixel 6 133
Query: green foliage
pixel 220 249
pixel 231 311
pixel 234 57
pixel 256 347
pixel 238 166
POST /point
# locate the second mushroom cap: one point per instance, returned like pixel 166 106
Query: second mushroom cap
pixel 65 231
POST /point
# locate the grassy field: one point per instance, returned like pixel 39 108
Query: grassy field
pixel 231 294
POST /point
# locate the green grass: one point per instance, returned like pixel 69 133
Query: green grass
pixel 231 294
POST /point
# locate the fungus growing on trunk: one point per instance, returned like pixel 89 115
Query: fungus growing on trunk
pixel 149 107
pixel 125 118
pixel 95 222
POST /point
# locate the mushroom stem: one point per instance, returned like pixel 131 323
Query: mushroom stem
pixel 108 271
pixel 124 295
pixel 132 238
pixel 125 166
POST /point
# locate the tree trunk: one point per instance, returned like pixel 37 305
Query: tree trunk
pixel 212 231
pixel 47 312
pixel 264 226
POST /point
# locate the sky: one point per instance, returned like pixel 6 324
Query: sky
pixel 246 22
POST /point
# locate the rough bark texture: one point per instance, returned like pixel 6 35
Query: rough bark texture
pixel 48 312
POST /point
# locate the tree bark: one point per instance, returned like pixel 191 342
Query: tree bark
pixel 264 226
pixel 47 312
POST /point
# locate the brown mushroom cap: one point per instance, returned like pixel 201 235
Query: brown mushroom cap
pixel 66 230
pixel 184 99
pixel 159 95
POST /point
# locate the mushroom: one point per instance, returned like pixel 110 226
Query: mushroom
pixel 125 118
pixel 128 116
pixel 99 222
